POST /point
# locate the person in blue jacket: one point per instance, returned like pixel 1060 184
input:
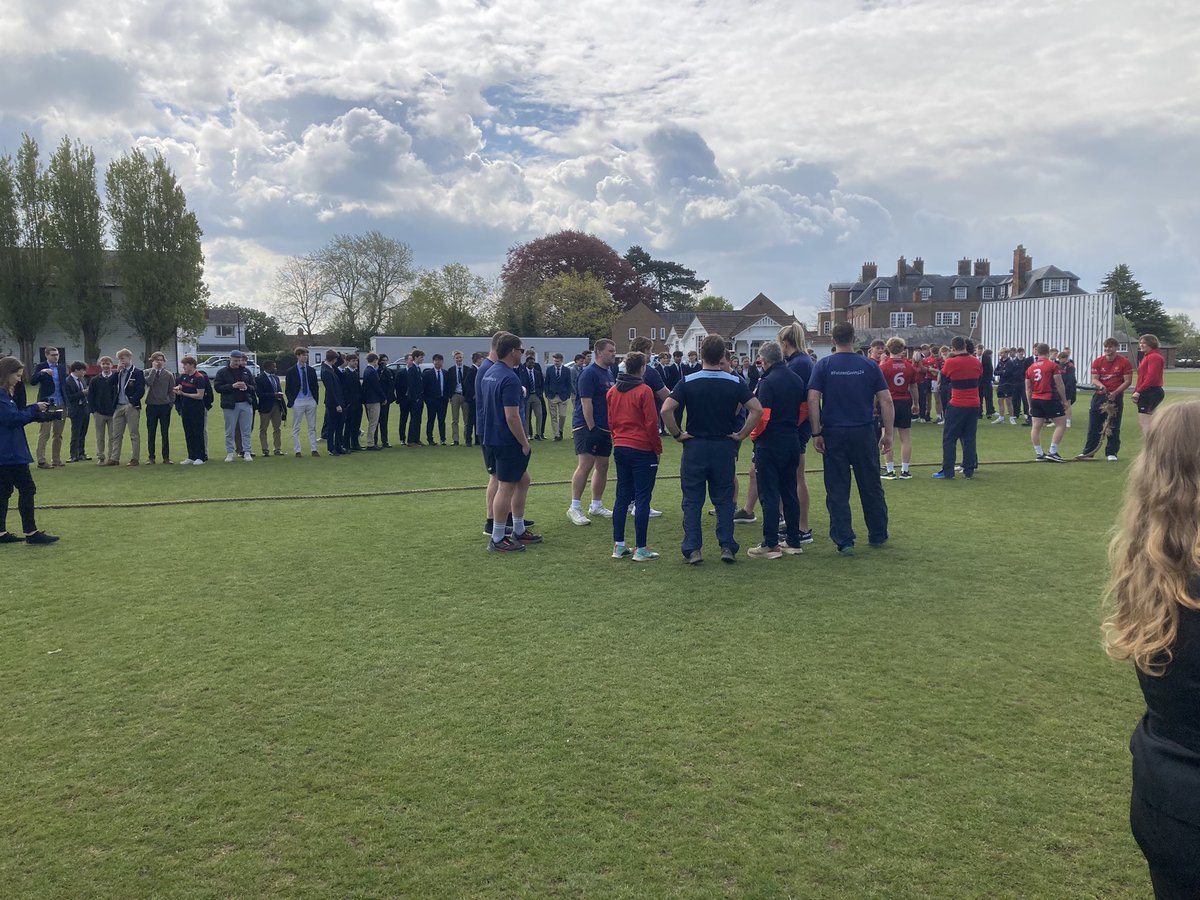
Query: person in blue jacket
pixel 15 457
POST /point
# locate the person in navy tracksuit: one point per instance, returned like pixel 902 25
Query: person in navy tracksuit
pixel 15 457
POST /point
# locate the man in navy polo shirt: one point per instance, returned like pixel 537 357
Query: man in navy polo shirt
pixel 842 394
pixel 711 399
pixel 593 440
pixel 501 405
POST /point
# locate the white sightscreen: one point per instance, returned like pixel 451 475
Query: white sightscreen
pixel 1078 321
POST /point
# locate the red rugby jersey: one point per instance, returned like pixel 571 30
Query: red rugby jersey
pixel 963 371
pixel 1041 376
pixel 899 374
pixel 1112 374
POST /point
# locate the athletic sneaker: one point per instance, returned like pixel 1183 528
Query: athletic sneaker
pixel 998 420
pixel 693 558
pixel 958 468
pixel 1089 456
pixel 40 537
pixel 575 514
pixel 1054 457
pixel 882 470
pixel 727 556
pixel 806 537
pixel 247 456
pixel 847 550
pixel 889 476
pixel 744 517
pixel 942 476
pixel 527 537
pixel 762 551
pixel 1040 457
pixel 229 457
pixel 508 545
pixel 621 552
pixel 197 462
pixel 1112 457
pixel 655 513
pixel 644 555
pixel 186 462
pixel 789 550
pixel 1012 420
pixel 601 511
pixel 941 421
pixel 904 476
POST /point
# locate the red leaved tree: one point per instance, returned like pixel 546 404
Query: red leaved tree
pixel 530 264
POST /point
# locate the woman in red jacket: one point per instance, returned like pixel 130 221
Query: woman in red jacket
pixel 1148 392
pixel 633 420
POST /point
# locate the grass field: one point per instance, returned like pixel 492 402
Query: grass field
pixel 349 697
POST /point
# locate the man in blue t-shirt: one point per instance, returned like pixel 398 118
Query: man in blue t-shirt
pixel 500 400
pixel 711 398
pixel 842 394
pixel 593 440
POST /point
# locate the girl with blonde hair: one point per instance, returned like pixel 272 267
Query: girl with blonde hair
pixel 1155 592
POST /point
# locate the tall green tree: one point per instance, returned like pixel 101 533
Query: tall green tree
pixel 261 329
pixel 159 257
pixel 365 275
pixel 1187 336
pixel 76 238
pixel 24 253
pixel 675 286
pixel 713 303
pixel 446 301
pixel 574 304
pixel 1135 304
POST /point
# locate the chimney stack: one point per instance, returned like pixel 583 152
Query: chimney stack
pixel 1022 266
pixel 919 265
pixel 964 266
pixel 870 272
pixel 983 267
pixel 901 271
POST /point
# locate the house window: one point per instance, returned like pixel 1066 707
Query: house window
pixel 988 293
pixel 1122 348
pixel 225 331
pixel 826 326
pixel 926 293
pixel 881 294
pixel 974 319
pixel 960 293
pixel 632 333
pixel 900 320
pixel 1055 285
pixel 946 318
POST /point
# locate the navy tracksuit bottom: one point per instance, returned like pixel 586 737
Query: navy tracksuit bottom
pixel 708 464
pixel 854 450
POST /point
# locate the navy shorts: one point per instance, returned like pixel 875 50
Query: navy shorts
pixel 597 442
pixel 1149 399
pixel 510 461
pixel 1046 409
pixel 489 458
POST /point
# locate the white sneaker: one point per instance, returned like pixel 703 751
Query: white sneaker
pixel 1112 457
pixel 576 515
pixel 186 462
pixel 1012 420
pixel 999 419
pixel 655 513
pixel 229 457
pixel 247 456
pixel 197 462
pixel 600 511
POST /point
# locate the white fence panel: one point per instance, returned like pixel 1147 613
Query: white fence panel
pixel 1078 321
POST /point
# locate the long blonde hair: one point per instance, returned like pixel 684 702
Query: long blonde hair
pixel 793 334
pixel 1157 546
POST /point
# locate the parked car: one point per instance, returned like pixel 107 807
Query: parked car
pixel 215 364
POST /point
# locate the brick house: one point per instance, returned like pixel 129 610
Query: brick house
pixel 745 329
pixel 914 298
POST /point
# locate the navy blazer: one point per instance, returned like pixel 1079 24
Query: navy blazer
pixel 134 390
pixel 45 380
pixel 558 386
pixel 468 381
pixel 291 388
pixel 331 379
pixel 534 381
pixel 352 386
pixel 387 384
pixel 671 376
pixel 372 389
pixel 76 397
pixel 415 383
pixel 431 386
pixel 267 400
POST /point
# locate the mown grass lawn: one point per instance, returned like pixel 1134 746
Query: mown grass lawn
pixel 349 697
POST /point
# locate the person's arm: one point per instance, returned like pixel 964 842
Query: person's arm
pixel 754 412
pixel 887 414
pixel 11 417
pixel 814 418
pixel 585 405
pixel 662 394
pixel 912 392
pixel 512 416
pixel 668 413
pixel 1028 392
pixel 1098 384
pixel 1062 389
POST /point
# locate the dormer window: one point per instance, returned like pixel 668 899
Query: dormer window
pixel 881 294
pixel 926 293
pixel 960 293
pixel 1055 285
pixel 225 331
pixel 988 293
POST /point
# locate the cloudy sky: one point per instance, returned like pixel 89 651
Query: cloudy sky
pixel 772 146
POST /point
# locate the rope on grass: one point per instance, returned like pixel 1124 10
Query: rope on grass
pixel 406 492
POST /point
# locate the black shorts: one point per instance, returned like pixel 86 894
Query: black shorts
pixel 903 413
pixel 1002 391
pixel 597 442
pixel 1046 409
pixel 510 462
pixel 1149 399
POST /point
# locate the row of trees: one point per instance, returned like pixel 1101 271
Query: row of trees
pixel 54 263
pixel 567 283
